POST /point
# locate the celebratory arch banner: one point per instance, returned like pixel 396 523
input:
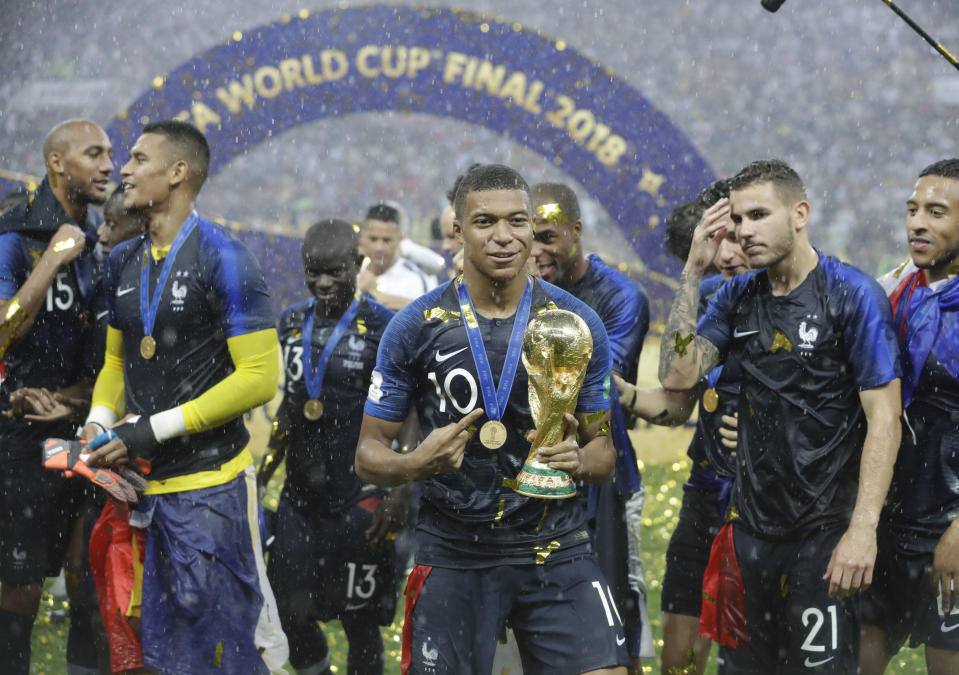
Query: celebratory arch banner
pixel 487 71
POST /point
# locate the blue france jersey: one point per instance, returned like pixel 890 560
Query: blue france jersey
pixel 804 358
pixel 51 354
pixel 215 291
pixel 623 307
pixel 470 517
pixel 924 497
pixel 709 456
pixel 319 462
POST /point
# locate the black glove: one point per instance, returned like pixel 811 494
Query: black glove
pixel 137 436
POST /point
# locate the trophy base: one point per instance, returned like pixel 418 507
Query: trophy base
pixel 537 480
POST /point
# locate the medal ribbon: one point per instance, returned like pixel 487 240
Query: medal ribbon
pixel 148 308
pixel 314 378
pixel 495 400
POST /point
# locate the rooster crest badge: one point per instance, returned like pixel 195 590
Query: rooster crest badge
pixel 808 336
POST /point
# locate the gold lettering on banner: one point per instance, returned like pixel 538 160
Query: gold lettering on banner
pixel 203 115
pixel 335 64
pixel 362 61
pixel 531 102
pixel 235 93
pixel 309 72
pixel 455 63
pixel 292 78
pixel 418 60
pixel 490 77
pixel 581 124
pixel 393 61
pixel 275 86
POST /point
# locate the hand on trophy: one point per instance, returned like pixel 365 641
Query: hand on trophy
pixel 566 455
pixel 442 451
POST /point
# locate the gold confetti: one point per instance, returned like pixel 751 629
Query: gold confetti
pixel 552 213
pixel 13 308
pixel 780 341
pixel 543 552
pixel 64 244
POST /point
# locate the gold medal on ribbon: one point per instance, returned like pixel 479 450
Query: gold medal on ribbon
pixel 710 400
pixel 313 409
pixel 493 434
pixel 148 347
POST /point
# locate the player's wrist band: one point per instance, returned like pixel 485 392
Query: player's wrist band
pixel 102 428
pixel 137 435
pixel 102 416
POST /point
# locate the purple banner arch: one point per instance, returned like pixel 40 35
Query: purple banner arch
pixel 487 71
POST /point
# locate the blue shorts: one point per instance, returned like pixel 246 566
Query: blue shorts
pixel 37 509
pixel 902 603
pixel 206 605
pixel 615 531
pixel 793 624
pixel 322 566
pixel 562 614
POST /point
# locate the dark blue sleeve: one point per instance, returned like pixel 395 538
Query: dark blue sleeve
pixel 382 313
pixel 707 289
pixel 285 325
pixel 392 386
pixel 626 321
pixel 869 335
pixel 11 264
pixel 111 270
pixel 714 324
pixel 238 284
pixel 594 394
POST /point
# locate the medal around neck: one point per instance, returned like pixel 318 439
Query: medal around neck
pixel 493 434
pixel 148 347
pixel 557 347
pixel 710 400
pixel 313 376
pixel 495 398
pixel 313 409
pixel 148 305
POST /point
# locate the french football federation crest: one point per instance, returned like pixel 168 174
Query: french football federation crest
pixel 179 293
pixel 808 335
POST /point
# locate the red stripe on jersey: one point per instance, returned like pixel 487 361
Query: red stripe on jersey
pixel 414 584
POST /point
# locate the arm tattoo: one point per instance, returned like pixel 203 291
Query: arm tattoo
pixel 708 356
pixel 681 322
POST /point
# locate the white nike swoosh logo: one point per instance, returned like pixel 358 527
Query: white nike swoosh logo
pixel 948 629
pixel 350 606
pixel 102 314
pixel 812 664
pixel 124 291
pixel 442 357
pixel 738 334
pixel 620 641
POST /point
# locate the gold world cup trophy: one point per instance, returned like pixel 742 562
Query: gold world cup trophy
pixel 557 347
